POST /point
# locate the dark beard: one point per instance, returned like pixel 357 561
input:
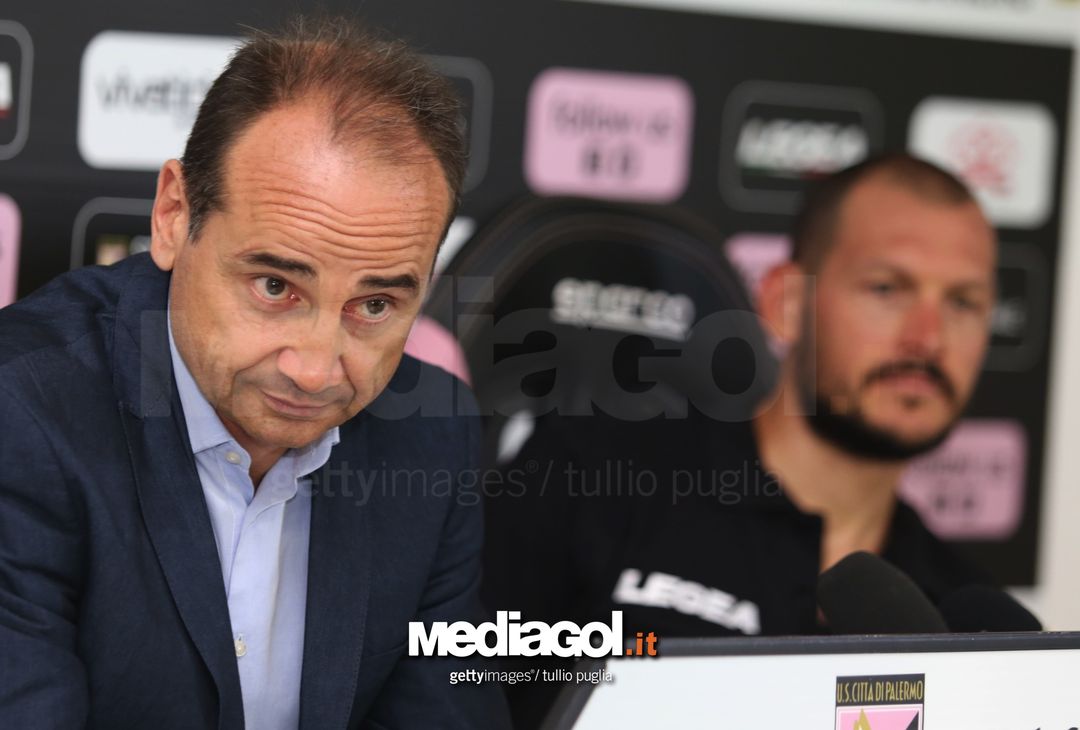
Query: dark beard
pixel 852 434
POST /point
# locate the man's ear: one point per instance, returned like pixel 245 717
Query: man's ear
pixel 169 218
pixel 781 301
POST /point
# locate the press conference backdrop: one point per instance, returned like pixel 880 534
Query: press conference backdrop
pixel 694 104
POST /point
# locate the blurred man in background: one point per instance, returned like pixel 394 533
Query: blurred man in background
pixel 885 311
pixel 883 314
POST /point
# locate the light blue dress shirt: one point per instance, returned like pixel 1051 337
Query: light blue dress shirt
pixel 262 541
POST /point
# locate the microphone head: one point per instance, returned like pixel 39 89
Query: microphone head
pixel 976 608
pixel 864 594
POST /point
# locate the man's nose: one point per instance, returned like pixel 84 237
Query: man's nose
pixel 313 362
pixel 923 332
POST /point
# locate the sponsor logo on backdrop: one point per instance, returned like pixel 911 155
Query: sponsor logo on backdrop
pixel 16 60
pixel 107 230
pixel 609 135
pixel 139 93
pixel 10 225
pixel 754 254
pixel 972 486
pixel 622 308
pixel 7 91
pixel 1021 323
pixel 777 138
pixel 1004 150
pixel 473 82
pixel 459 233
pixel 884 702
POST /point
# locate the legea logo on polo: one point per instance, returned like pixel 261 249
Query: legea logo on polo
pixel 139 93
pixel 1004 150
pixel 662 590
pixel 16 59
pixel 778 137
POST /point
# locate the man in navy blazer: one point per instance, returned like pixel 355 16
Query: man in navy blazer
pixel 224 493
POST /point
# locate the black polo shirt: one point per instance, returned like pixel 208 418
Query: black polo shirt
pixel 677 524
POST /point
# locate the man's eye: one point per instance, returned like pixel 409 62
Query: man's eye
pixel 882 288
pixel 967 304
pixel 374 308
pixel 272 288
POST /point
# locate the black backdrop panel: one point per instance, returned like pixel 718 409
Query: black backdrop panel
pixel 509 45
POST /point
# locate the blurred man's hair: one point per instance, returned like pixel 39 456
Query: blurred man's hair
pixel 815 226
pixel 377 94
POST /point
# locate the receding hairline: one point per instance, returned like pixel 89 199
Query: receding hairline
pixel 868 192
pixel 818 223
pixel 409 147
pixel 375 83
pixel 932 193
pixel 924 184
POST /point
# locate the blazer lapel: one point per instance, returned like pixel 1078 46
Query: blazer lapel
pixel 167 482
pixel 339 580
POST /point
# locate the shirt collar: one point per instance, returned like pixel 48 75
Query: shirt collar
pixel 206 431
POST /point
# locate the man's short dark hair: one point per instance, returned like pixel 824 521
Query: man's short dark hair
pixel 815 226
pixel 373 87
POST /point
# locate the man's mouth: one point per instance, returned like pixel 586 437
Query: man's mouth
pixel 292 409
pixel 913 383
pixel 916 380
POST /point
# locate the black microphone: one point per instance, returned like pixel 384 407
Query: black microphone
pixel 976 608
pixel 863 594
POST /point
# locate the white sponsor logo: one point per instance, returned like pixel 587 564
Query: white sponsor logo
pixel 459 233
pixel 622 308
pixel 661 590
pixel 1003 150
pixel 7 92
pixel 15 81
pixel 1019 324
pixel 1010 318
pixel 776 137
pixel 798 148
pixel 139 93
pixel 509 636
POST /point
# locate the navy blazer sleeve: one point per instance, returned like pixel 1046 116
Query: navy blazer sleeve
pixel 418 693
pixel 42 681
